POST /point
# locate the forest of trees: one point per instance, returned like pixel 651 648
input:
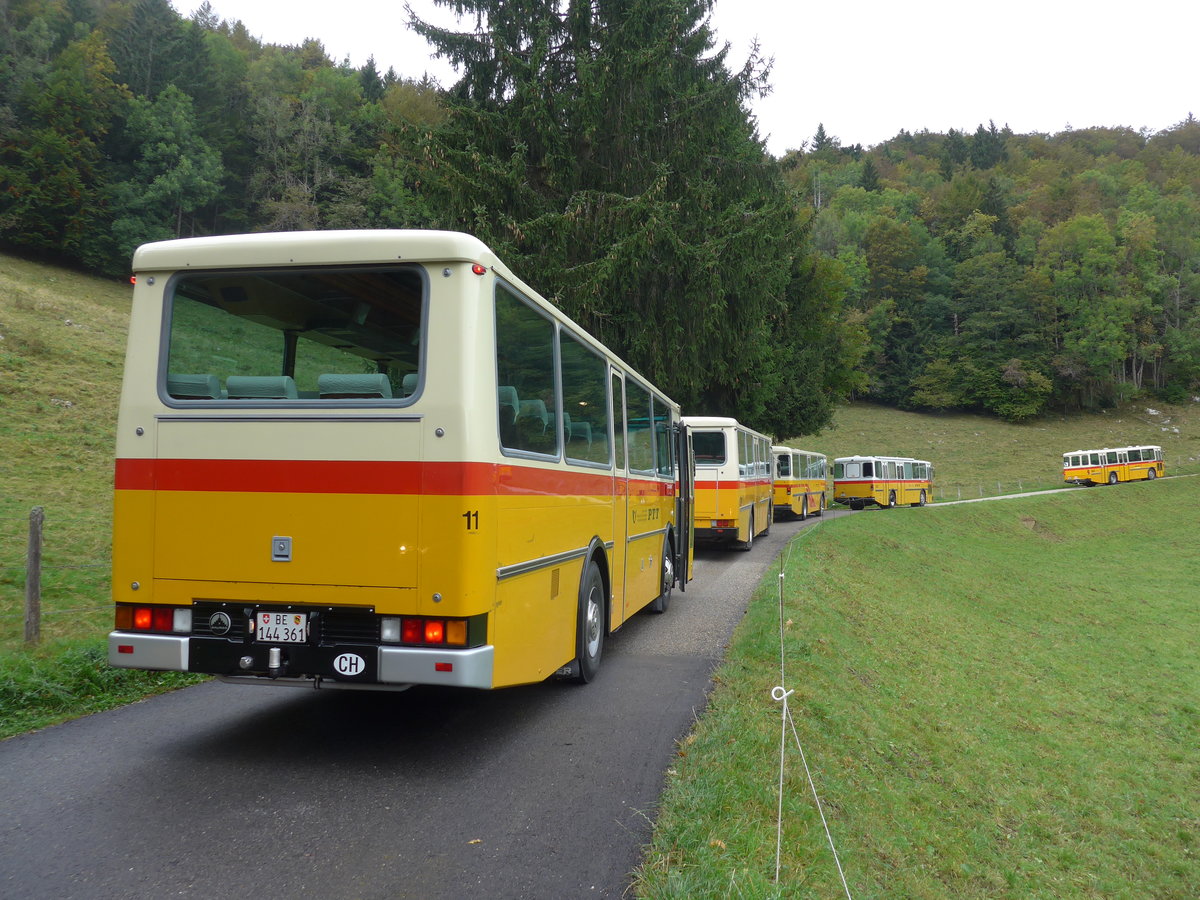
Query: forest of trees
pixel 607 152
pixel 1013 273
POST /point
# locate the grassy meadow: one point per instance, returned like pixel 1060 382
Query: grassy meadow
pixel 996 699
pixel 1014 714
pixel 62 346
pixel 977 457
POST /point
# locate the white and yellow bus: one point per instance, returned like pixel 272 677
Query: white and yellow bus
pixel 800 482
pixel 1112 464
pixel 373 459
pixel 884 481
pixel 733 481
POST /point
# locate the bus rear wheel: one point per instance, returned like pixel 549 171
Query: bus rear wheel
pixel 804 510
pixel 1151 474
pixel 1112 477
pixel 589 628
pixel 660 603
pixel 749 541
pixel 891 500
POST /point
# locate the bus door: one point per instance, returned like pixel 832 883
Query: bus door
pixel 620 512
pixel 685 485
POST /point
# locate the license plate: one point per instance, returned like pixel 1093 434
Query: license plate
pixel 281 627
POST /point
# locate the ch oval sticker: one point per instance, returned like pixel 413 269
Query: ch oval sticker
pixel 349 664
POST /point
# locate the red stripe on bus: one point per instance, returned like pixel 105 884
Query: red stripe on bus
pixel 367 477
pixel 713 485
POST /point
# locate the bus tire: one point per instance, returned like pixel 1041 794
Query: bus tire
pixel 749 542
pixel 891 500
pixel 820 506
pixel 923 500
pixel 770 516
pixel 589 627
pixel 1112 477
pixel 1151 474
pixel 660 603
pixel 804 509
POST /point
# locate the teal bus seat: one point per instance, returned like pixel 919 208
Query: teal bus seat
pixel 261 387
pixel 194 387
pixel 354 387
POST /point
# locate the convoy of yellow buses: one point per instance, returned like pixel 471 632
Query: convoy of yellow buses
pixel 733 481
pixel 801 479
pixel 886 481
pixel 1112 464
pixel 376 459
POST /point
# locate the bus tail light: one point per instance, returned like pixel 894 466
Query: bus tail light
pixel 425 632
pixel 164 619
pixel 456 632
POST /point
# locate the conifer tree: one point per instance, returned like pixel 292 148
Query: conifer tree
pixel 605 149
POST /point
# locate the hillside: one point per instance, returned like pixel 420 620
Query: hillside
pixel 995 700
pixel 62 340
pixel 62 345
pixel 977 455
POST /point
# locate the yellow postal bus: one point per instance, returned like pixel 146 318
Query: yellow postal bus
pixel 372 459
pixel 1110 465
pixel 885 481
pixel 800 481
pixel 733 480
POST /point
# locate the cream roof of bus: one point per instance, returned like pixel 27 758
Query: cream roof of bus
pixel 289 248
pixel 780 448
pixel 889 458
pixel 717 422
pixel 1107 449
pixel 347 247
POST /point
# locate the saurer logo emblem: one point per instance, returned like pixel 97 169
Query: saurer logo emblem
pixel 219 623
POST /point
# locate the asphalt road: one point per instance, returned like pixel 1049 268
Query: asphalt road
pixel 546 791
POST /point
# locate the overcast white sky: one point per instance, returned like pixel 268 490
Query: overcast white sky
pixel 869 68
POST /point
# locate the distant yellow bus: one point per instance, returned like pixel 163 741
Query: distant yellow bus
pixel 373 459
pixel 733 481
pixel 1112 464
pixel 885 481
pixel 800 482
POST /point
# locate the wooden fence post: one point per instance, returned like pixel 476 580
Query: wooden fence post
pixel 33 578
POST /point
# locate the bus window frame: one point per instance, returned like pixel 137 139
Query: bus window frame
pixel 167 309
pixel 517 452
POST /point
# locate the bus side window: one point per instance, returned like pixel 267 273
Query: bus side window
pixel 583 379
pixel 618 407
pixel 663 456
pixel 641 434
pixel 525 361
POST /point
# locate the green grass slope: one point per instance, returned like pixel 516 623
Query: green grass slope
pixel 62 344
pixel 998 700
pixel 61 353
pixel 976 456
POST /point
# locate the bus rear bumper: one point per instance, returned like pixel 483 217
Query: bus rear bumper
pixel 718 535
pixel 396 666
pixel 157 652
pixel 451 668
